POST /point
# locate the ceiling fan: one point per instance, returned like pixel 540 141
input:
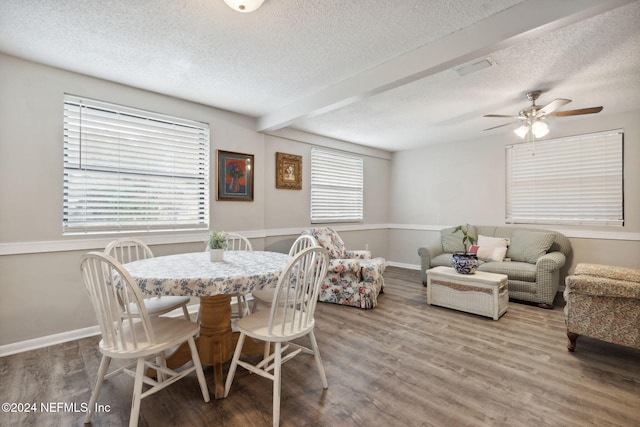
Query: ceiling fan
pixel 532 117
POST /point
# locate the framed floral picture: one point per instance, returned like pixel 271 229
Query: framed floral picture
pixel 235 176
pixel 288 171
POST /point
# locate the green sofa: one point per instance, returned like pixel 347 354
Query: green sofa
pixel 533 259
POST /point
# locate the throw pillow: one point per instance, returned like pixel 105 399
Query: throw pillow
pixel 493 242
pixel 452 242
pixel 491 248
pixel 528 246
pixel 487 253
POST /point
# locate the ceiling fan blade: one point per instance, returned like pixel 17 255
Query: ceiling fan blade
pixel 552 106
pixel 499 126
pixel 502 116
pixel 591 110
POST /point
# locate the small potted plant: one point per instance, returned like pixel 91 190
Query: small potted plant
pixel 465 262
pixel 217 244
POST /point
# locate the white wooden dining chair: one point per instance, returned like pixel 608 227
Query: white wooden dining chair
pixel 291 316
pixel 265 295
pixel 131 249
pixel 237 242
pixel 142 337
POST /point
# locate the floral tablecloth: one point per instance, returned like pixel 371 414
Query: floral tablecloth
pixel 193 274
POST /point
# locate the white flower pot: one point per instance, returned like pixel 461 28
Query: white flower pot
pixel 217 255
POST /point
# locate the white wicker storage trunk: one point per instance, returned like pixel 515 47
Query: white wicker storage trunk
pixel 480 293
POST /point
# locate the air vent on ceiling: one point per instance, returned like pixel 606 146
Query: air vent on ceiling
pixel 476 66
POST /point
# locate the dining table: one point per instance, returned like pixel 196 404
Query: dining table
pixel 214 282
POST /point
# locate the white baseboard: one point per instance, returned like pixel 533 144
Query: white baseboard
pixel 49 340
pixel 403 265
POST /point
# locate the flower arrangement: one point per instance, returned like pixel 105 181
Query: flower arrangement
pixel 217 240
pixel 467 239
pixel 235 170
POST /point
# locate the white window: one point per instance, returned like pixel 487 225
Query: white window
pixel 573 180
pixel 336 187
pixel 133 170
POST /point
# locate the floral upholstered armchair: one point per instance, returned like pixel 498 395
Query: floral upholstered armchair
pixel 603 302
pixel 353 277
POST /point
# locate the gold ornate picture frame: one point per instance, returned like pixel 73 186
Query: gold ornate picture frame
pixel 288 171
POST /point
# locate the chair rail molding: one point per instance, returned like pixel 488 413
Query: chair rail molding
pixel 82 244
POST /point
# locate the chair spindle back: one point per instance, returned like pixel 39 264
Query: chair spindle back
pixel 296 293
pixel 128 250
pixel 303 241
pixel 109 285
pixel 236 242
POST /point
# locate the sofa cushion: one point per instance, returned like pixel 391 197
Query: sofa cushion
pixel 441 260
pixel 522 271
pixel 372 269
pixel 528 246
pixel 609 271
pixel 604 281
pixel 452 242
pixel 347 266
pixel 357 254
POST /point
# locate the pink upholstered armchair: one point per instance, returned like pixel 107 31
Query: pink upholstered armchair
pixel 353 277
pixel 603 302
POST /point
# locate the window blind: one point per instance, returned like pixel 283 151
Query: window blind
pixel 336 187
pixel 573 180
pixel 128 169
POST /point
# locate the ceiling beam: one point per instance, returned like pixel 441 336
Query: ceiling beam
pixel 525 20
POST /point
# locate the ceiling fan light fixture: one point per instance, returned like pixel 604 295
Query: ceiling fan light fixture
pixel 522 131
pixel 539 128
pixel 533 117
pixel 244 6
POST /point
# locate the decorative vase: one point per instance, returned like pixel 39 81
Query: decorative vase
pixel 464 263
pixel 235 185
pixel 217 255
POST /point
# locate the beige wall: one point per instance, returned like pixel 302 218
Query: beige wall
pixel 408 196
pixel 40 289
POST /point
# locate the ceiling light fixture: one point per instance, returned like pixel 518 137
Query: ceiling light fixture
pixel 522 131
pixel 244 6
pixel 537 127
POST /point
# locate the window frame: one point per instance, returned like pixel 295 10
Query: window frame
pixel 574 180
pixel 335 200
pixel 128 169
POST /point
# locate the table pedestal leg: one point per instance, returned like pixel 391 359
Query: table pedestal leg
pixel 215 344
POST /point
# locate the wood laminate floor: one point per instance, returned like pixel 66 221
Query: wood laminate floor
pixel 405 363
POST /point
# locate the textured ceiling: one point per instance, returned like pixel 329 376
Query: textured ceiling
pixel 375 72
